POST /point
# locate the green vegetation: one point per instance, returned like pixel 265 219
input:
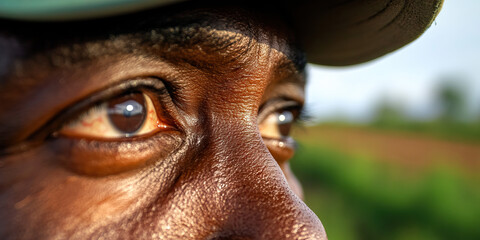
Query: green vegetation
pixel 451 97
pixel 359 197
pixel 455 119
pixel 469 132
pixel 455 131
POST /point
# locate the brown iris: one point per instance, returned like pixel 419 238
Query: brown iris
pixel 127 113
pixel 285 120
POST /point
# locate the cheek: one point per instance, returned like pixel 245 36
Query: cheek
pixel 282 154
pixel 42 198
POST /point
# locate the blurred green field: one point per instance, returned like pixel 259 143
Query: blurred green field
pixel 362 196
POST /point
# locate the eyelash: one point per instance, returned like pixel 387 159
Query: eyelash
pixel 283 104
pixel 72 114
pixel 304 116
pixel 49 131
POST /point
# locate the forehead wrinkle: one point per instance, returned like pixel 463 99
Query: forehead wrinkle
pixel 188 31
pixel 230 44
pixel 283 69
pixel 212 49
pixel 201 47
pixel 165 42
pixel 233 48
pixel 208 48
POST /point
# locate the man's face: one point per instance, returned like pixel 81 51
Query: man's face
pixel 172 128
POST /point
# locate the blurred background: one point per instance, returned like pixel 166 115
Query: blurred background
pixel 391 148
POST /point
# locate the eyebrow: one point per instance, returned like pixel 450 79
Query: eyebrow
pixel 129 33
pixel 232 45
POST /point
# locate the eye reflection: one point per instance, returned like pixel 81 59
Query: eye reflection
pixel 277 125
pixel 129 115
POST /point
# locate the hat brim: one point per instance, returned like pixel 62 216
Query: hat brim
pixel 357 31
pixel 332 32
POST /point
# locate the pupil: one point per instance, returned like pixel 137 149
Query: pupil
pixel 285 117
pixel 127 113
pixel 285 120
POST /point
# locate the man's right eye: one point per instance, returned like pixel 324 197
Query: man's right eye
pixel 129 115
pixel 119 133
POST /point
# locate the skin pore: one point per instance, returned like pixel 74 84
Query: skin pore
pixel 216 169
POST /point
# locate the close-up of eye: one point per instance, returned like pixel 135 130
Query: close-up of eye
pixel 277 125
pixel 129 115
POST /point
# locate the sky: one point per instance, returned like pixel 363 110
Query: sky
pixel 450 47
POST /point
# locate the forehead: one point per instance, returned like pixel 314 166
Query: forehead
pixel 229 30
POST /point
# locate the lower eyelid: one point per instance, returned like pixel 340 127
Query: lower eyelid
pixel 281 149
pixel 100 158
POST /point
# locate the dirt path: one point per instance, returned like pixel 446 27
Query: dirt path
pixel 406 148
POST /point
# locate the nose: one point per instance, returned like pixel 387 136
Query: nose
pixel 254 200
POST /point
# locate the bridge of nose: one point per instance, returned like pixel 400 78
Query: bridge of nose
pixel 244 190
pixel 236 188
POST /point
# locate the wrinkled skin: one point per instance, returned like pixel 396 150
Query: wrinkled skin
pixel 209 175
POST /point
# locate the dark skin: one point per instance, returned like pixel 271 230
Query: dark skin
pixel 213 166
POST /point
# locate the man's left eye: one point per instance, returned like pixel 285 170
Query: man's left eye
pixel 277 125
pixel 129 115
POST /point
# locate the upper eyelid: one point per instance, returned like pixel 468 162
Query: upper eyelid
pixel 74 110
pixel 276 105
pixel 90 124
